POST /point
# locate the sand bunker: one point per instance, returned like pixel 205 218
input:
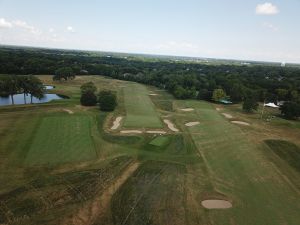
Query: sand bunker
pixel 155 132
pixel 68 111
pixel 218 109
pixel 171 125
pixel 116 123
pixel 216 204
pixel 228 116
pixel 241 123
pixel 153 94
pixel 187 109
pixel 191 124
pixel 131 132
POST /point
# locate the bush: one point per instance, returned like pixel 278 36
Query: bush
pixel 88 98
pixel 290 110
pixel 107 101
pixel 89 86
pixel 250 104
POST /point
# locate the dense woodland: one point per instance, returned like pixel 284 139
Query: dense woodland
pixel 184 79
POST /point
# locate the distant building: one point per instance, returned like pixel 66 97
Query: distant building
pixel 225 101
pixel 271 104
pixel 283 64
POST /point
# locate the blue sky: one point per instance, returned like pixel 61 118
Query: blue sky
pixel 250 30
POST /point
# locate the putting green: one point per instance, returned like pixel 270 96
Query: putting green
pixel 140 111
pixel 61 139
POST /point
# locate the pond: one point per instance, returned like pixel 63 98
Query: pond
pixel 49 87
pixel 19 98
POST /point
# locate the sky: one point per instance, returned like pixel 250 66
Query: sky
pixel 231 29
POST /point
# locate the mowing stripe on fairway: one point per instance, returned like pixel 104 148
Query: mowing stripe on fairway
pixel 62 139
pixel 239 170
pixel 140 111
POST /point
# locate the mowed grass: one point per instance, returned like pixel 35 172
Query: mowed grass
pixel 287 151
pixel 239 170
pixel 140 111
pixel 61 139
pixel 159 141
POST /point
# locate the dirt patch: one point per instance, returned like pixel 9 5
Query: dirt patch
pixel 153 94
pixel 68 111
pixel 187 109
pixel 98 208
pixel 84 108
pixel 240 123
pixel 216 204
pixel 116 123
pixel 191 124
pixel 218 109
pixel 155 132
pixel 171 125
pixel 227 115
pixel 131 132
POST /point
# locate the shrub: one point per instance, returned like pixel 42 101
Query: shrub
pixel 88 98
pixel 107 101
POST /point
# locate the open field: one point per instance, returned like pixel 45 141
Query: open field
pixel 58 167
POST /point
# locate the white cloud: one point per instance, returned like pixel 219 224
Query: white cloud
pixel 51 30
pixel 4 23
pixel 23 25
pixel 270 26
pixel 70 29
pixel 267 9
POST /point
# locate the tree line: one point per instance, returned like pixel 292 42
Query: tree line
pixel 184 79
pixel 11 85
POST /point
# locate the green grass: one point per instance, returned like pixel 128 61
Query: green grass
pixel 159 141
pixel 153 195
pixel 61 139
pixel 239 170
pixel 53 163
pixel 287 151
pixel 140 111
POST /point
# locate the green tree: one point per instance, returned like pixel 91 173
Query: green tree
pixel 35 88
pixel 3 87
pixel 250 104
pixel 290 110
pixel 24 83
pixel 218 94
pixel 10 86
pixel 64 73
pixel 88 98
pixel 282 94
pixel 89 86
pixel 107 101
pixel 237 93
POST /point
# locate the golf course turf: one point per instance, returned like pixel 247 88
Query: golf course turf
pixel 62 139
pixel 62 168
pixel 140 111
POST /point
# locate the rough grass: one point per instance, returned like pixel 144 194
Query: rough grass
pixel 140 111
pixel 42 197
pixel 61 139
pixel 155 194
pixel 287 151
